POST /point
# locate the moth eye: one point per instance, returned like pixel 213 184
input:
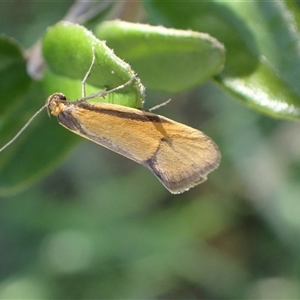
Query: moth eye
pixel 62 97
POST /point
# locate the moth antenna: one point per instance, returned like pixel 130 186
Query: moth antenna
pixel 22 129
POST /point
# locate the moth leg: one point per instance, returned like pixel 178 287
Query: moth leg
pixel 159 105
pixel 88 74
pixel 105 92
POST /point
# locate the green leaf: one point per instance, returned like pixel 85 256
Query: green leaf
pixel 54 83
pixel 14 79
pixel 262 44
pixel 38 150
pixel 166 59
pixel 44 143
pixel 67 49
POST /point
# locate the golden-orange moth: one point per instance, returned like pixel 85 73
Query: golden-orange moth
pixel 180 156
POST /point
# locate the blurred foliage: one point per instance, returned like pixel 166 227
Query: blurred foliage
pixel 101 226
pixel 261 39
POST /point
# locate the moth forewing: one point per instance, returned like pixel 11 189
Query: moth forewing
pixel 185 159
pixel 180 156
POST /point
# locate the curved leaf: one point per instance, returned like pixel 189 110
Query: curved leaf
pixel 165 59
pixel 67 49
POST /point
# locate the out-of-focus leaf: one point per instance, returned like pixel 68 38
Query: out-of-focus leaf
pixel 14 79
pixel 166 59
pixel 262 46
pixel 38 150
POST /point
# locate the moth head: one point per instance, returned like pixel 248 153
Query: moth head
pixel 56 103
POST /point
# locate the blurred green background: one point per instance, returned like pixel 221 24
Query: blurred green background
pixel 102 227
